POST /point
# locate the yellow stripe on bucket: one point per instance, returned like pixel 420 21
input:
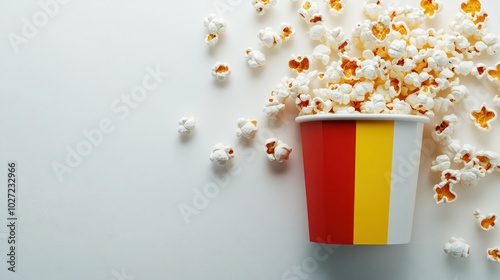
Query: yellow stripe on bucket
pixel 374 145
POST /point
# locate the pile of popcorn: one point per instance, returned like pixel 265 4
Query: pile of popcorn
pixel 402 69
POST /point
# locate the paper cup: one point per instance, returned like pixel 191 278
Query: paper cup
pixel 361 176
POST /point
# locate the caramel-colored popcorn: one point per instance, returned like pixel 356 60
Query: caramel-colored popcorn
pixel 493 254
pixel 444 192
pixel 299 63
pixel 483 117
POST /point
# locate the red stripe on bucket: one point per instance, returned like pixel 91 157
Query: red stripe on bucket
pixel 330 181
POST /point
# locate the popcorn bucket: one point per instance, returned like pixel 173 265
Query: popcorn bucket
pixel 361 176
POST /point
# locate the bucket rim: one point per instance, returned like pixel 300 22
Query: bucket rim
pixel 378 117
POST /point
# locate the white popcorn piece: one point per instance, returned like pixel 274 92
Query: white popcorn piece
pixel 261 6
pixel 304 104
pixel 445 128
pixel 487 160
pixel 399 107
pixel 273 108
pixel 372 8
pixel 336 7
pixel 479 71
pixel 215 24
pixel 485 222
pixel 451 176
pixel 414 17
pixel 322 52
pixel 318 32
pixel 441 163
pixel 309 12
pixel 280 92
pixel 277 150
pixel 299 84
pixel 493 254
pixel 247 128
pixel 255 58
pixel 397 49
pixel 287 31
pixel 470 176
pixel 465 155
pixel 483 117
pixel 221 154
pixel 459 92
pixel 336 37
pixel 212 39
pixel 269 38
pixel 376 105
pixel 457 247
pixel 492 42
pixel 221 71
pixel 321 106
pixel 186 125
pixel 452 148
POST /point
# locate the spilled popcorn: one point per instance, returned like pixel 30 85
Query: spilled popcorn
pixel 186 125
pixel 255 58
pixel 277 150
pixel 261 6
pixel 485 222
pixel 221 154
pixel 221 71
pixel 247 128
pixel 457 247
pixel 215 26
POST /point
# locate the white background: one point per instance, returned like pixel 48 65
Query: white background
pixel 116 215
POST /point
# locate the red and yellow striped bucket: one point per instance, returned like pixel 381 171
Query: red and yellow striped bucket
pixel 361 176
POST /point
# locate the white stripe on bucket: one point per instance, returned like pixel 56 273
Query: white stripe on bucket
pixel 405 166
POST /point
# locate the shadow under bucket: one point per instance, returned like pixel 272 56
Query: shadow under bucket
pixel 361 176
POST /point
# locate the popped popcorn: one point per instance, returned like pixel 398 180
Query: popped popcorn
pixel 372 8
pixel 443 131
pixel 277 150
pixel 212 39
pixel 485 222
pixel 441 163
pixel 299 63
pixel 215 26
pixel 247 128
pixel 269 38
pixel 322 53
pixel 483 117
pixel 221 71
pixel 443 192
pixel 493 254
pixel 336 7
pixel 186 125
pixel 309 12
pixel 273 108
pixel 255 58
pixel 430 7
pixel 221 154
pixel 287 31
pixel 261 6
pixel 457 247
